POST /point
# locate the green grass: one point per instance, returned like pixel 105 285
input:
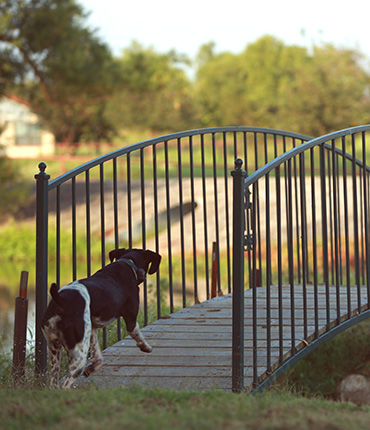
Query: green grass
pixel 323 369
pixel 143 409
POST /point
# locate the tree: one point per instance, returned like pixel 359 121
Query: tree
pixel 330 93
pixel 155 92
pixel 52 59
pixel 220 88
pixel 273 85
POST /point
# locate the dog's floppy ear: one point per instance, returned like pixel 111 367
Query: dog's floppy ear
pixel 155 259
pixel 116 253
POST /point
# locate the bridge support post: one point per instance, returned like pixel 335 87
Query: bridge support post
pixel 238 278
pixel 41 266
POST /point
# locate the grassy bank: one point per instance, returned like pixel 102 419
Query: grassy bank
pixel 158 409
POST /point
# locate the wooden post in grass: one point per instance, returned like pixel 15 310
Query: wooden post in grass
pixel 20 331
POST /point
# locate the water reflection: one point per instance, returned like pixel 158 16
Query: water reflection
pixel 7 307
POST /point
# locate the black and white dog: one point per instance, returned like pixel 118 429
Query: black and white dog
pixel 80 308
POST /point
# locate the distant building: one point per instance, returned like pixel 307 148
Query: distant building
pixel 21 134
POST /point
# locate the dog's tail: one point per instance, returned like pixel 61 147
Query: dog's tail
pixel 55 295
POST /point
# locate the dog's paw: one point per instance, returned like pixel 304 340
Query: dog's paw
pixel 89 370
pixel 145 347
pixel 93 367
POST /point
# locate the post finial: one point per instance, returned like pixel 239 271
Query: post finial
pixel 42 167
pixel 42 175
pixel 238 163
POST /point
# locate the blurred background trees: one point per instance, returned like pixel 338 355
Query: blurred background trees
pixel 51 58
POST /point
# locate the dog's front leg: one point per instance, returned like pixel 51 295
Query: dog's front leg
pixel 140 340
pixel 97 356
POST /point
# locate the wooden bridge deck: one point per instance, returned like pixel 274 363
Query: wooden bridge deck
pixel 192 347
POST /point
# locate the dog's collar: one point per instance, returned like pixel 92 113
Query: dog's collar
pixel 139 273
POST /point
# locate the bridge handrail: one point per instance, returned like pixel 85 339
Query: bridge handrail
pixel 173 136
pixel 278 161
pixel 333 222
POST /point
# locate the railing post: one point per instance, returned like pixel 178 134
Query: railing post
pixel 238 278
pixel 41 265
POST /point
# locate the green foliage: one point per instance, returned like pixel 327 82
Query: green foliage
pixel 322 370
pixel 274 85
pixel 51 58
pixel 14 189
pixel 155 93
pixel 66 73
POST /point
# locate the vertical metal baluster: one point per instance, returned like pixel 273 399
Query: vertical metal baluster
pixel 102 232
pixel 129 199
pixel 115 204
pixel 362 247
pixel 74 230
pixel 169 237
pixel 116 233
pixel 302 192
pixel 58 224
pixel 366 215
pixel 355 223
pixel 182 234
pixel 331 217
pixel 336 232
pixel 314 242
pixel 324 231
pixel 204 194
pixel 227 220
pixel 254 285
pixel 287 221
pixel 291 254
pixel 88 223
pixel 279 256
pixel 346 226
pixel 156 228
pixel 193 225
pixel 217 225
pixel 102 214
pixel 257 232
pixel 246 197
pixel 143 228
pixel 245 145
pixel 295 175
pixel 339 210
pixel 268 261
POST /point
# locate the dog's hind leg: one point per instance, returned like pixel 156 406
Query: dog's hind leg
pixel 140 340
pixel 97 356
pixel 77 357
pixel 77 360
pixel 55 354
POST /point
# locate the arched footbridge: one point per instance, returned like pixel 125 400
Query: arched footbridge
pixel 259 267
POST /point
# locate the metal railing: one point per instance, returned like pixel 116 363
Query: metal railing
pixel 171 194
pixel 301 233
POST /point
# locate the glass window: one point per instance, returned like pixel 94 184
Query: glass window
pixel 27 134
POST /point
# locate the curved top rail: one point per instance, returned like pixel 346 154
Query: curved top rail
pixel 278 161
pixel 136 146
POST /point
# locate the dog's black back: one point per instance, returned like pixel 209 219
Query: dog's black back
pixel 113 291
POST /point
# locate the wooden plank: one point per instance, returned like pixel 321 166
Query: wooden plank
pixel 192 348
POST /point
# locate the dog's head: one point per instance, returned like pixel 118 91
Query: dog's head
pixel 142 259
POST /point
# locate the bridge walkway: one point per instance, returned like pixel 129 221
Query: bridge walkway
pixel 192 347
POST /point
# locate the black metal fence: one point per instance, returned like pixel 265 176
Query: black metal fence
pixel 303 219
pixel 171 194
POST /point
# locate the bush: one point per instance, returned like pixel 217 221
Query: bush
pixel 322 370
pixel 15 191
